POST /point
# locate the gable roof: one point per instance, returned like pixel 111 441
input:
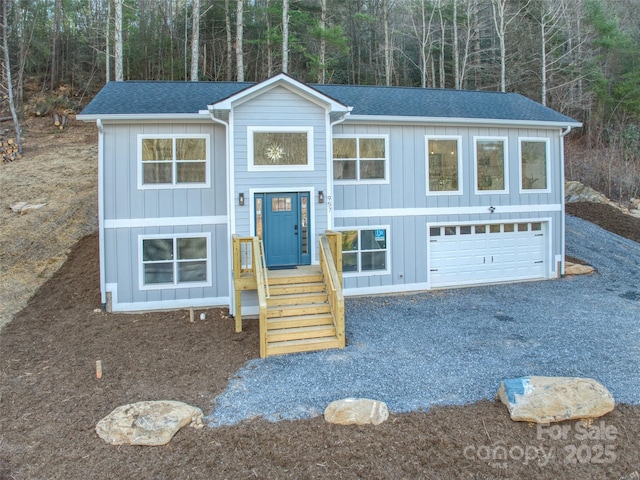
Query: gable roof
pixel 162 99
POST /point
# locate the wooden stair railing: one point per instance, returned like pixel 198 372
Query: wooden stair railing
pixel 300 310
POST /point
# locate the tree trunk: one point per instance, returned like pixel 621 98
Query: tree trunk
pixel 285 36
pixel 118 41
pixel 7 66
pixel 229 49
pixel 322 68
pixel 388 59
pixel 498 8
pixel 456 48
pixel 269 41
pixel 195 39
pixel 108 44
pixel 55 42
pixel 239 34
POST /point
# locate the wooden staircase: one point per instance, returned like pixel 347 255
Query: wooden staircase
pixel 301 309
pixel 299 317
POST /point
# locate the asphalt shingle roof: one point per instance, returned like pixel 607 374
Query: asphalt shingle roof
pixel 160 97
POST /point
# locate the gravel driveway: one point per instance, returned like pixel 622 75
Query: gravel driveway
pixel 455 346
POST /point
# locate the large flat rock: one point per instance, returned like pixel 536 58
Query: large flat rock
pixel 356 411
pixel 554 399
pixel 147 423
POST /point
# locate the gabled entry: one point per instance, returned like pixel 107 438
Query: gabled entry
pixel 282 222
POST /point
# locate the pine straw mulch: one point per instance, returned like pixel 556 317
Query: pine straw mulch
pixel 51 402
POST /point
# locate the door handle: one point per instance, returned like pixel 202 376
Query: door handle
pixel 295 229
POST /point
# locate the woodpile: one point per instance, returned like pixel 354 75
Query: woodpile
pixel 9 150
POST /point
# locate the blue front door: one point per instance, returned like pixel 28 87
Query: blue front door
pixel 282 221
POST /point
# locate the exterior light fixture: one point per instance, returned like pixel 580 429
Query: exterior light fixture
pixel 320 196
pixel 492 209
pixel 241 199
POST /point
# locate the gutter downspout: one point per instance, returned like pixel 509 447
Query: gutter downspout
pixel 101 239
pixel 230 212
pixel 331 204
pixel 563 134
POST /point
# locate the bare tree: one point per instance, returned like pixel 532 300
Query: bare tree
pixel 55 42
pixel 388 54
pixel 285 36
pixel 422 31
pixel 118 41
pixel 322 70
pixel 195 39
pixel 7 67
pixel 229 44
pixel 239 39
pixel 502 22
pixel 107 69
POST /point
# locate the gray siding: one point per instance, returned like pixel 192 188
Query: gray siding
pixel 125 204
pixel 407 189
pixel 123 199
pixel 122 266
pixel 408 181
pixel 278 107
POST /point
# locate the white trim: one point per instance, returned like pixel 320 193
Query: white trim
pixel 395 288
pixel 165 222
pixel 252 167
pixel 175 285
pixel 329 198
pixel 387 250
pixel 230 219
pixel 547 142
pixel 410 212
pixel 162 304
pixel 443 121
pixel 174 185
pixel 312 212
pixel 357 136
pixel 505 163
pixel 101 222
pixel 563 217
pixel 458 138
pixel 130 117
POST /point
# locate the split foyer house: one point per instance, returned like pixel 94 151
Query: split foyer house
pixel 426 188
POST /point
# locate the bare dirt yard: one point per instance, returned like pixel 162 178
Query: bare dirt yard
pixel 51 399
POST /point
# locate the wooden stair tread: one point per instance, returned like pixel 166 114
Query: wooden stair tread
pixel 305 345
pixel 300 321
pixel 307 278
pixel 292 288
pixel 299 333
pixel 297 310
pixel 297 299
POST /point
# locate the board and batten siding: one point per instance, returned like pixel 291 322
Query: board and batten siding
pixel 365 204
pixel 130 212
pixel 279 107
pixel 407 187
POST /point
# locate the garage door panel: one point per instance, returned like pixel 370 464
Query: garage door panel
pixel 486 254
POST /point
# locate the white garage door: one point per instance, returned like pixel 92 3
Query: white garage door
pixel 486 253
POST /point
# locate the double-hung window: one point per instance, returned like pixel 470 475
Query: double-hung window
pixel 365 250
pixel 491 165
pixel 173 161
pixel 444 165
pixel 534 165
pixel 360 158
pixel 175 260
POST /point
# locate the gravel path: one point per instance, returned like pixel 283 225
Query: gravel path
pixel 455 346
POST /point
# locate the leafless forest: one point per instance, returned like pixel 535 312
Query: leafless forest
pixel 581 57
